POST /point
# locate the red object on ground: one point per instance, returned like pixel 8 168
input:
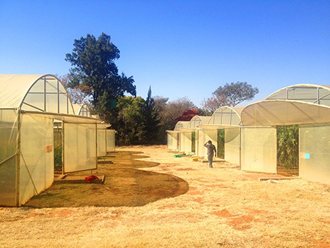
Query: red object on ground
pixel 91 178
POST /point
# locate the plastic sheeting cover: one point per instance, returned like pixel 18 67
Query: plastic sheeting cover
pixel 111 140
pixel 226 116
pixel 38 93
pixel 232 145
pixel 317 94
pixel 82 110
pixel 13 89
pixel 185 142
pixel 79 147
pixel 314 146
pixel 8 148
pixel 259 149
pixel 172 141
pixel 48 95
pixel 37 156
pixel 101 142
pixel 181 124
pixel 271 113
pixel 197 121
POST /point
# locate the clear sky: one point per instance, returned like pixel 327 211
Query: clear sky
pixel 179 47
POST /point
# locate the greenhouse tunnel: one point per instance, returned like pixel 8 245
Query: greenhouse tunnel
pixel 175 137
pixel 31 107
pixel 189 133
pixel 223 129
pixel 304 106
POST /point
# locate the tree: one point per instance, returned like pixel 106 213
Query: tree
pixel 230 95
pixel 95 73
pixel 76 94
pixel 188 114
pixel 175 109
pixel 131 129
pixel 169 112
pixel 151 120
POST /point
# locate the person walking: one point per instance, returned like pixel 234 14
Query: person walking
pixel 211 151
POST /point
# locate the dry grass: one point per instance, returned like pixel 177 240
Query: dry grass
pixel 220 207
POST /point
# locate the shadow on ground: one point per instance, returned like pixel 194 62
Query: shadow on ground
pixel 125 185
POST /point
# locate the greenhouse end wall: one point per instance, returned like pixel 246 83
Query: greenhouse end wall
pixel 173 141
pixel 185 142
pixel 200 137
pixel 232 145
pixel 258 151
pixel 314 146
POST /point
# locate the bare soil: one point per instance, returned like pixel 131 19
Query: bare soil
pixel 152 199
pixel 125 185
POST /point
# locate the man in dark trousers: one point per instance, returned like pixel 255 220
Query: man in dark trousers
pixel 211 151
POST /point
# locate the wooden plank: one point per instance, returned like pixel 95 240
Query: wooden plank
pixel 277 178
pixel 62 176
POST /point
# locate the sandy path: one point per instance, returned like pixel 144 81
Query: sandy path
pixel 224 207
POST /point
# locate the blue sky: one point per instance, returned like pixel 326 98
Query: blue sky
pixel 181 48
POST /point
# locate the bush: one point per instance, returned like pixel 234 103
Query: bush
pixel 288 146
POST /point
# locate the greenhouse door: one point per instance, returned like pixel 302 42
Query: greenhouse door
pixel 193 142
pixel 58 146
pixel 36 168
pixel 79 147
pixel 221 143
pixel 288 150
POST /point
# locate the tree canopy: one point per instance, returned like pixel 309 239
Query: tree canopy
pixel 94 79
pixel 95 73
pixel 131 129
pixel 230 95
pixel 151 119
pixel 170 112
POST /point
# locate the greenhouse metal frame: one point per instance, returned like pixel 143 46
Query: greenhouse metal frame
pixel 82 110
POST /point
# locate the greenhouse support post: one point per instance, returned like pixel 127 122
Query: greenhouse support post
pixel 18 155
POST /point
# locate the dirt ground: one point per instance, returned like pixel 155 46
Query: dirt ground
pixel 152 199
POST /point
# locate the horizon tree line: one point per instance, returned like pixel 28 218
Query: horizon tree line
pixel 94 79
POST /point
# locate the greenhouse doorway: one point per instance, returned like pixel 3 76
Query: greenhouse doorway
pixel 221 143
pixel 288 150
pixel 193 142
pixel 58 147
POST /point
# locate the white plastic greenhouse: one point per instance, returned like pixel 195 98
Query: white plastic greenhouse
pixel 189 134
pixel 223 129
pixel 307 106
pixel 29 107
pixel 173 136
pixel 82 110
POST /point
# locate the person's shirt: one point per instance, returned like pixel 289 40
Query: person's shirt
pixel 210 149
